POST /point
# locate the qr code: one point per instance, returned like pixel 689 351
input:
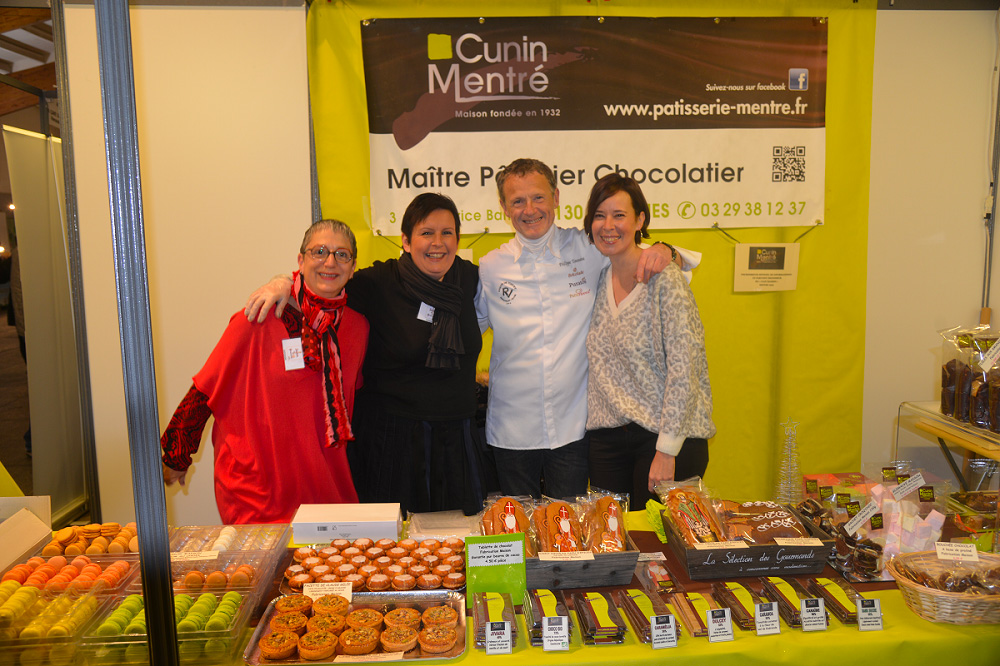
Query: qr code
pixel 788 164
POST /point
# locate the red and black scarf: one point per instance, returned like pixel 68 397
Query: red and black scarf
pixel 321 351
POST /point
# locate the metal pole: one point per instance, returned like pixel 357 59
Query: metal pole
pixel 121 139
pixel 90 479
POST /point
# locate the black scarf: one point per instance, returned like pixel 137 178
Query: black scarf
pixel 445 345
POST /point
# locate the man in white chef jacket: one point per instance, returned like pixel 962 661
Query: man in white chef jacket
pixel 537 293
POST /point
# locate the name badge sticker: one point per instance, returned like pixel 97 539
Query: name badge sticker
pixel 291 349
pixel 426 313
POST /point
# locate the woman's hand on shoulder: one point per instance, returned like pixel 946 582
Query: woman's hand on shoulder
pixel 277 291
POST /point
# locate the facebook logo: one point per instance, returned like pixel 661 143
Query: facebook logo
pixel 798 78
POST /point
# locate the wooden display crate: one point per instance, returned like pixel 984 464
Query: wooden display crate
pixel 604 569
pixel 764 560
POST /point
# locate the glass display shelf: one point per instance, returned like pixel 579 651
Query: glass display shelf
pixel 968 453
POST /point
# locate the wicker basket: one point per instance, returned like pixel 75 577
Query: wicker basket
pixel 939 605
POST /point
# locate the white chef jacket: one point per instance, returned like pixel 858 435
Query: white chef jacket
pixel 539 307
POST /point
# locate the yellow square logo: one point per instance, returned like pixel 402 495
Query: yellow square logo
pixel 438 47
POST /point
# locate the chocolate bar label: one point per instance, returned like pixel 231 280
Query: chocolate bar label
pixel 766 619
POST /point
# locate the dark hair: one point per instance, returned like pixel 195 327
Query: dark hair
pixel 336 226
pixel 522 167
pixel 609 186
pixel 422 206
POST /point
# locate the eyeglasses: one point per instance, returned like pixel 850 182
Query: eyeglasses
pixel 322 252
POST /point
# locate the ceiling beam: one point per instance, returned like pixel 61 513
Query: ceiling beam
pixel 12 99
pixel 41 29
pixel 23 49
pixel 12 18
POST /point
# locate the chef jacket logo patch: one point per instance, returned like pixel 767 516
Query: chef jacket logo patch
pixel 507 291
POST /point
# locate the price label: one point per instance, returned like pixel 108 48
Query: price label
pixel 566 557
pixel 908 486
pixel 869 614
pixel 855 523
pixel 720 625
pixel 766 619
pixel 813 613
pixel 555 633
pixel 498 638
pixel 962 552
pixel 663 631
pixel 721 545
pixel 194 556
pixel 316 590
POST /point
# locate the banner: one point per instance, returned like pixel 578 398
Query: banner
pixel 722 121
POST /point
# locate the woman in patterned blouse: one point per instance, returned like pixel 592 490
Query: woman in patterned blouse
pixel 649 401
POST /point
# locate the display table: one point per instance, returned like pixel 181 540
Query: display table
pixel 905 639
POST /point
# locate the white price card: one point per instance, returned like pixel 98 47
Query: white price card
pixel 194 556
pixel 813 613
pixel 869 614
pixel 721 545
pixel 961 552
pixel 663 631
pixel 498 638
pixel 555 633
pixel 316 590
pixel 720 625
pixel 572 556
pixel 862 517
pixel 908 486
pixel 766 619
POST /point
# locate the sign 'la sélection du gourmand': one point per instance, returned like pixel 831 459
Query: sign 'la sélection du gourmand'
pixel 720 120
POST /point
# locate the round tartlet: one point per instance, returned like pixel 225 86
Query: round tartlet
pixel 331 622
pixel 316 645
pixel 278 645
pixel 429 581
pixel 440 616
pixel 365 617
pixel 293 603
pixel 360 640
pixel 302 553
pixel 330 604
pixel 294 622
pixel 296 582
pixel 403 617
pixel 404 582
pixel 457 562
pixel 378 582
pixel 398 639
pixel 435 640
pixel 454 580
pixel 357 581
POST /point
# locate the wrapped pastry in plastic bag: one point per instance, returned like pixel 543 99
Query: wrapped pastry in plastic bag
pixel 758 522
pixel 690 511
pixel 604 522
pixel 557 526
pixel 979 380
pixel 508 515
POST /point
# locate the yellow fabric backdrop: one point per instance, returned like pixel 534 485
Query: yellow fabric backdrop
pixel 772 357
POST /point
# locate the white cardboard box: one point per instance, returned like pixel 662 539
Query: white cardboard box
pixel 318 523
pixel 25 527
